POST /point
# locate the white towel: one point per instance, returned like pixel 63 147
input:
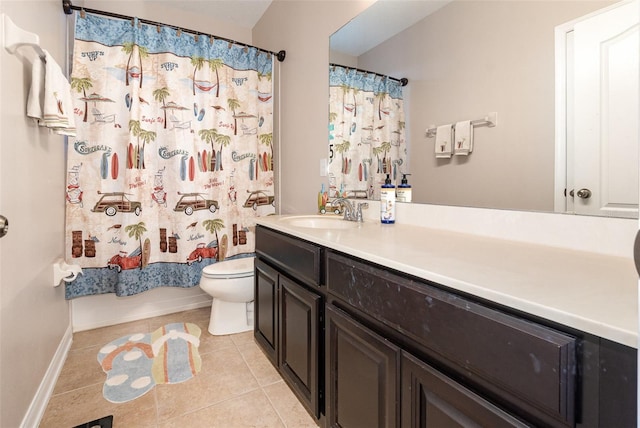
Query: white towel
pixel 35 100
pixel 49 101
pixel 443 145
pixel 463 138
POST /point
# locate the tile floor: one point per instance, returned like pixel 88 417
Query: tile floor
pixel 237 386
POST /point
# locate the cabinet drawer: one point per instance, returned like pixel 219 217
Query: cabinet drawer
pixel 298 258
pixel 517 361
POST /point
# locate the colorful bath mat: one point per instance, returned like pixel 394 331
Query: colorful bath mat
pixel 134 364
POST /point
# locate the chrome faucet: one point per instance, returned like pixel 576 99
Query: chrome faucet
pixel 348 207
pixel 361 205
pixel 350 213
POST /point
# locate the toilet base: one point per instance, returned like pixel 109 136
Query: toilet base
pixel 230 317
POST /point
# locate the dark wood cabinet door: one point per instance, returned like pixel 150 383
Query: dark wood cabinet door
pixel 432 400
pixel 362 383
pixel 299 342
pixel 266 309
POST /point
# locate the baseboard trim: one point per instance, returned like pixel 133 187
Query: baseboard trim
pixel 45 390
pixel 105 310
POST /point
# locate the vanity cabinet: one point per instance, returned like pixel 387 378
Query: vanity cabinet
pixel 362 345
pixel 465 362
pixel 288 312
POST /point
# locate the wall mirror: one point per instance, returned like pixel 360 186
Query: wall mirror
pixel 464 60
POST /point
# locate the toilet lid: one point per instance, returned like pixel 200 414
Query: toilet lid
pixel 236 268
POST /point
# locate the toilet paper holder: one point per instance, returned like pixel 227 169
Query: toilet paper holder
pixel 64 272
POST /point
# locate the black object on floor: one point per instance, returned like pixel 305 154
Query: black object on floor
pixel 106 422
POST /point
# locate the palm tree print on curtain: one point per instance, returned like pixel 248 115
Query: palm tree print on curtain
pixel 172 161
pixel 366 132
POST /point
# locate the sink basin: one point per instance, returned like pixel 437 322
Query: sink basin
pixel 320 222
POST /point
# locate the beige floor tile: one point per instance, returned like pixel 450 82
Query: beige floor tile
pixel 250 410
pixel 224 375
pixel 210 343
pixel 243 338
pixel 290 410
pixel 86 404
pixel 104 335
pixel 259 364
pixel 141 418
pixel 81 368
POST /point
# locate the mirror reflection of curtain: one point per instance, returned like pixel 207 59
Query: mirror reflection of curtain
pixel 366 132
pixel 172 161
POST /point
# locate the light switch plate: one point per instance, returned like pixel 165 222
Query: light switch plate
pixel 323 167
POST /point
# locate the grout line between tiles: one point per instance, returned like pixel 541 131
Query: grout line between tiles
pixel 274 407
pixel 77 389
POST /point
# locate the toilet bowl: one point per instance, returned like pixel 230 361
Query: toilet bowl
pixel 230 283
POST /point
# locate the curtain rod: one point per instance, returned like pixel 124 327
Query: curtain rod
pixel 403 81
pixel 68 7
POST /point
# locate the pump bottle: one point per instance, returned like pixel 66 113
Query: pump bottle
pixel 404 190
pixel 388 202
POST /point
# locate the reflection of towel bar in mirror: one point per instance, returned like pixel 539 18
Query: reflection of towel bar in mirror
pixel 15 37
pixel 489 120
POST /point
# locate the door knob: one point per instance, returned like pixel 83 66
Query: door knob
pixel 584 193
pixel 4 226
pixel 636 252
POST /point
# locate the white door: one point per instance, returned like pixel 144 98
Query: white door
pixel 606 113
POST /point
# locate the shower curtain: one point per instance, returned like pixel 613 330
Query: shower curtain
pixel 366 132
pixel 172 161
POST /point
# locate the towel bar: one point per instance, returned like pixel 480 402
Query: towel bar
pixel 489 120
pixel 15 37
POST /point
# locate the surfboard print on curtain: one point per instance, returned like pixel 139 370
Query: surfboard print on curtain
pixel 167 172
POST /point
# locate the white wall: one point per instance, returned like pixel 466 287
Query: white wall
pixel 172 12
pixel 34 315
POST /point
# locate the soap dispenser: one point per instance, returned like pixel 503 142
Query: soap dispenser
pixel 388 202
pixel 404 190
pixel 321 199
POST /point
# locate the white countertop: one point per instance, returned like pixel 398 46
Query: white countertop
pixel 591 292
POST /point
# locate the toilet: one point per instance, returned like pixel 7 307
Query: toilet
pixel 230 283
